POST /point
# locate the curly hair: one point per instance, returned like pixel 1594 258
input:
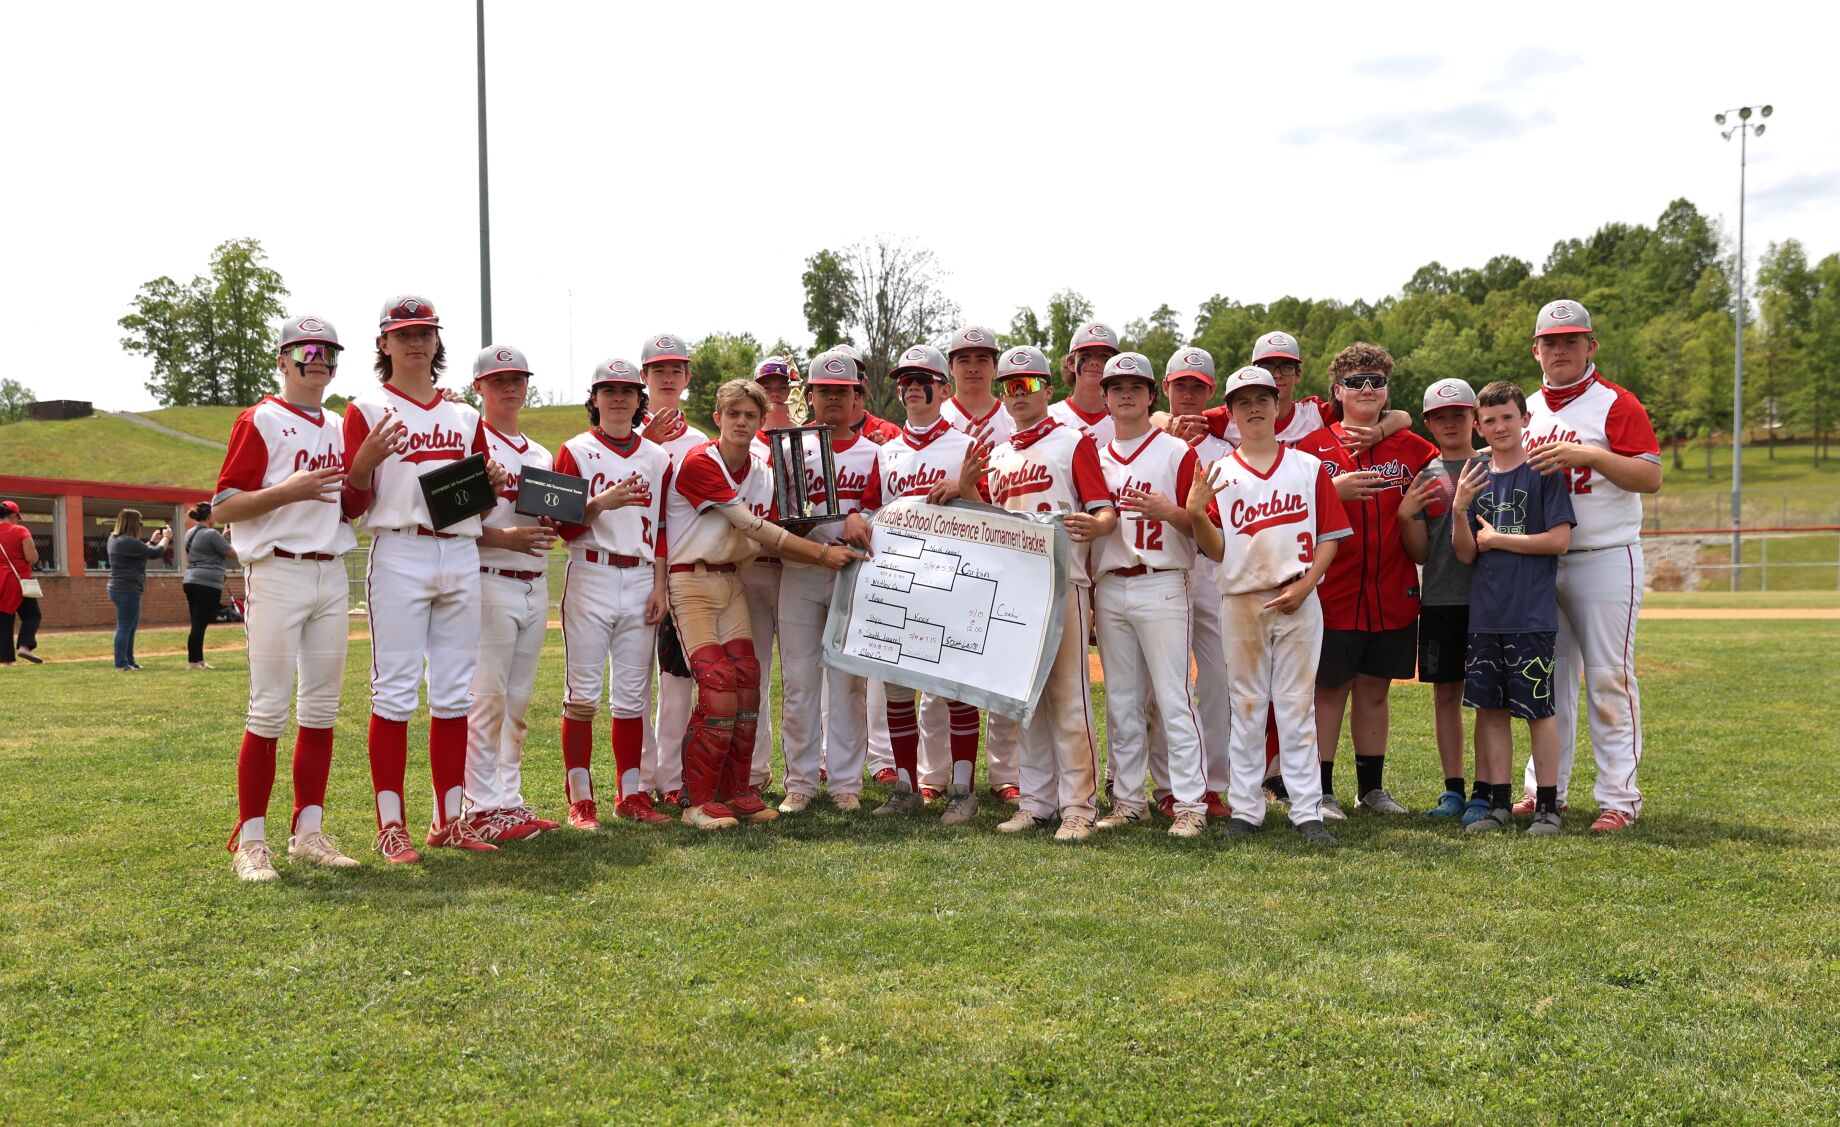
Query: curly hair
pixel 1358 357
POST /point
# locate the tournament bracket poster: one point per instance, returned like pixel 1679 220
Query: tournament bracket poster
pixel 963 600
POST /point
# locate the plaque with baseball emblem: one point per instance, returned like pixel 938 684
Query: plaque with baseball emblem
pixel 561 497
pixel 458 491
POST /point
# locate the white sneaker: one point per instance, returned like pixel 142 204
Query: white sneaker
pixel 1332 810
pixel 1022 820
pixel 848 803
pixel 795 804
pixel 1074 829
pixel 1380 802
pixel 318 849
pixel 1189 823
pixel 253 861
pixel 1123 814
pixel 199 665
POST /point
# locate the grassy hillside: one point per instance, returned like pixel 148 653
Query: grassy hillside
pixel 103 448
pixel 205 422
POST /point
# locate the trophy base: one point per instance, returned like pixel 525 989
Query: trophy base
pixel 802 525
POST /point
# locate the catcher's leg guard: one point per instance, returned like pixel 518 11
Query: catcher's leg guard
pixel 739 764
pixel 712 724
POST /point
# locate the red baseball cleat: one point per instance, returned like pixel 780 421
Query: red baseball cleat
pixel 673 798
pixel 1009 794
pixel 393 842
pixel 459 834
pixel 583 815
pixel 638 808
pixel 1525 806
pixel 1612 821
pixel 1166 806
pixel 928 794
pixel 501 825
pixel 544 825
pixel 887 776
pixel 1215 807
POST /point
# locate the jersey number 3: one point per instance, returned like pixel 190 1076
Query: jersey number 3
pixel 1306 548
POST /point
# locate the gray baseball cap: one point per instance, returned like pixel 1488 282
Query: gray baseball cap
pixel 408 309
pixel 1024 360
pixel 924 358
pixel 1562 316
pixel 1449 393
pixel 832 367
pixel 972 336
pixel 1190 361
pixel 665 346
pixel 1276 346
pixel 615 370
pixel 495 358
pixel 855 357
pixel 1094 334
pixel 1250 376
pixel 309 330
pixel 1129 366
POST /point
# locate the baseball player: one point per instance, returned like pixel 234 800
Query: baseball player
pixel 1140 602
pixel 1084 408
pixel 1270 518
pixel 1599 436
pixel 1298 419
pixel 975 410
pixel 876 430
pixel 924 462
pixel 777 376
pixel 664 361
pixel 513 610
pixel 422 586
pixel 1045 467
pixel 1370 593
pixel 714 510
pixel 279 493
pixel 810 725
pixel 613 593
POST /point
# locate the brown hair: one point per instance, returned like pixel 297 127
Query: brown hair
pixel 1501 392
pixel 200 512
pixel 128 522
pixel 382 366
pixel 734 391
pixel 1358 357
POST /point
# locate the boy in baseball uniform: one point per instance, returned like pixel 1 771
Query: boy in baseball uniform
pixel 1443 612
pixel 1093 344
pixel 422 587
pixel 1598 436
pixel 1514 525
pixel 715 510
pixel 924 463
pixel 514 610
pixel 1046 467
pixel 777 376
pixel 279 491
pixel 1140 603
pixel 1268 515
pixel 613 593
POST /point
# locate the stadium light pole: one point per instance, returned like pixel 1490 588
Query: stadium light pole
pixel 485 213
pixel 1743 128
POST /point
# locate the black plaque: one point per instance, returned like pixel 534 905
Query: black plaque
pixel 559 496
pixel 454 493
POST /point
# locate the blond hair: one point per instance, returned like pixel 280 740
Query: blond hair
pixel 734 391
pixel 128 522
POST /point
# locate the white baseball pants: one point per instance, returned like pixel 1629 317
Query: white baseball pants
pixel 805 716
pixel 297 625
pixel 1271 664
pixel 1143 623
pixel 513 622
pixel 422 593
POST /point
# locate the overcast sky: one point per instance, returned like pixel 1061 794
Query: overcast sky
pixel 668 167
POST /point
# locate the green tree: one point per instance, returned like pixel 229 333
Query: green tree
pixel 246 307
pixel 211 341
pixel 1157 338
pixel 1707 358
pixel 897 299
pixel 714 360
pixel 1067 311
pixel 829 295
pixel 1816 404
pixel 1024 328
pixel 1786 292
pixel 1660 350
pixel 159 329
pixel 15 400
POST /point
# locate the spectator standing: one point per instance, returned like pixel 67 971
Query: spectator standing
pixel 128 556
pixel 21 553
pixel 206 553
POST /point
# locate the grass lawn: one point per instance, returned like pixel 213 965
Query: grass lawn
pixel 1796 563
pixel 843 969
pixel 104 448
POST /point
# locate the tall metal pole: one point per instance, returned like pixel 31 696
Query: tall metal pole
pixel 485 213
pixel 1737 386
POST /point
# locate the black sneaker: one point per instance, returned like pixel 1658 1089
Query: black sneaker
pixel 1314 833
pixel 1239 827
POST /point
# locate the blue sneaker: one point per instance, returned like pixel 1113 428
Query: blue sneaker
pixel 1449 805
pixel 1474 810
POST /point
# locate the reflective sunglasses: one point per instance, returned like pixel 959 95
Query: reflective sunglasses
pixel 1015 387
pixel 906 378
pixel 773 368
pixel 304 354
pixel 1361 380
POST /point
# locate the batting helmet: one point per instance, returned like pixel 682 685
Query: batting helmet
pixel 405 310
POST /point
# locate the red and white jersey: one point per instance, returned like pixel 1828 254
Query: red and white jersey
pixel 439 432
pixel 677 447
pixel 1098 427
pixel 1595 412
pixel 997 419
pixel 1155 463
pixel 1048 468
pixel 702 483
pixel 515 453
pixel 269 443
pixel 859 483
pixel 1307 416
pixel 915 462
pixel 1373 584
pixel 631 530
pixel 1272 522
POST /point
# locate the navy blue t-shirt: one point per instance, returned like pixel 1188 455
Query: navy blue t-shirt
pixel 1511 593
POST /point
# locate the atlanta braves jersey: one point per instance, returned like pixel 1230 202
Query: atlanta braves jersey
pixel 516 453
pixel 1098 427
pixel 996 419
pixel 269 443
pixel 1273 521
pixel 1155 463
pixel 631 530
pixel 1048 468
pixel 1595 412
pixel 701 483
pixel 1373 584
pixel 438 431
pixel 915 462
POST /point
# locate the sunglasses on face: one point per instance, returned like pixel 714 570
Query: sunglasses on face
pixel 1281 368
pixel 905 380
pixel 1017 386
pixel 312 353
pixel 1362 380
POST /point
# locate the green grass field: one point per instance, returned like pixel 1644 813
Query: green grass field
pixel 104 448
pixel 843 969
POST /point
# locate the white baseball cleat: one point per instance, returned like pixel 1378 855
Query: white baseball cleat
pixel 1074 829
pixel 1123 814
pixel 1189 823
pixel 795 804
pixel 317 848
pixel 1022 820
pixel 253 861
pixel 848 803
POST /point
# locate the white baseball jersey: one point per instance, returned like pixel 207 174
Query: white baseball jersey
pixel 1595 412
pixel 1308 415
pixel 631 530
pixel 1098 427
pixel 269 443
pixel 997 419
pixel 439 432
pixel 859 483
pixel 1156 462
pixel 702 483
pixel 1272 521
pixel 516 453
pixel 915 462
pixel 1048 468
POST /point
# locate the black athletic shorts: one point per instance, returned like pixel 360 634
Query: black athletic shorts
pixel 1443 640
pixel 1377 653
pixel 1511 671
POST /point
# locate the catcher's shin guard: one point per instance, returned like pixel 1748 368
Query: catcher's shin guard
pixel 740 762
pixel 712 724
